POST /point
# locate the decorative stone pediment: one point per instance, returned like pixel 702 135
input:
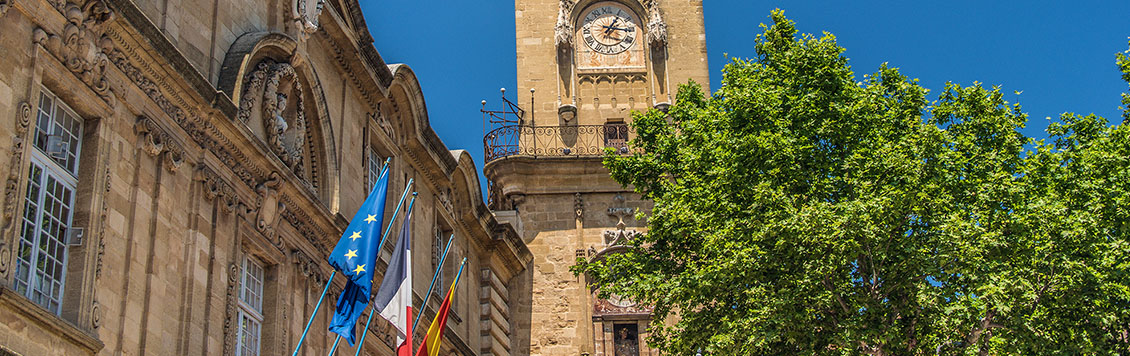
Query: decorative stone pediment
pixel 82 45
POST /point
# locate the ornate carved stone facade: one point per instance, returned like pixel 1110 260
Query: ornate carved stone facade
pixel 206 143
pixel 587 65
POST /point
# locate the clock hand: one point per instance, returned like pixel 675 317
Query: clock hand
pixel 609 27
pixel 617 28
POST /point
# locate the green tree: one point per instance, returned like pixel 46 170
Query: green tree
pixel 801 211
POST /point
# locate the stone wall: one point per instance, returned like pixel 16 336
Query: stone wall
pixel 566 205
pixel 215 131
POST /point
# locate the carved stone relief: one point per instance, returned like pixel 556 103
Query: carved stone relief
pixel 201 131
pixel 270 207
pixel 306 14
pixel 155 141
pixel 81 45
pixel 382 122
pixel 12 186
pixel 309 269
pixel 444 199
pixel 230 322
pixel 620 209
pixel 563 30
pixel 578 206
pixel 276 88
pixel 619 237
pixel 216 188
pixel 656 28
pixel 4 6
pixel 95 308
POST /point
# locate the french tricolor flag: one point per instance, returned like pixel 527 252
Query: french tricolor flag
pixel 394 297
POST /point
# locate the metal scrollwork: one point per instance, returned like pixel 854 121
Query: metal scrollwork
pixel 568 140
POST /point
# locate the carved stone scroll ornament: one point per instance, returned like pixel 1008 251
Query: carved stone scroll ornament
pixel 563 30
pixel 229 310
pixel 217 188
pixel 309 268
pixel 153 140
pixel 12 186
pixel 82 46
pixel 656 28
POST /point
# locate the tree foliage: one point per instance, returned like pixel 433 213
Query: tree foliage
pixel 800 211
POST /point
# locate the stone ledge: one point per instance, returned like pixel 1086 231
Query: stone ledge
pixel 16 302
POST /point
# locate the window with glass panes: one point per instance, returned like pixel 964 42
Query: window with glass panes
pixel 41 261
pixel 439 243
pixel 375 163
pixel 250 308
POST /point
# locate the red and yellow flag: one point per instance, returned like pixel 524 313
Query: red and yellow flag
pixel 430 345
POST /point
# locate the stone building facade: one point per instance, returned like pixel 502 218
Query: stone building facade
pixel 588 64
pixel 175 173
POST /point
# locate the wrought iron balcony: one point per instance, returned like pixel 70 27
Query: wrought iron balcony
pixel 555 141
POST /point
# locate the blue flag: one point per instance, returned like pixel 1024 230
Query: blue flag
pixel 355 256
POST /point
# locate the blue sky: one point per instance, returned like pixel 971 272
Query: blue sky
pixel 1060 54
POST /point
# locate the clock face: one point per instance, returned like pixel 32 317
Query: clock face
pixel 609 30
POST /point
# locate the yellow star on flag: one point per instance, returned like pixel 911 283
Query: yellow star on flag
pixel 359 269
pixel 351 255
pixel 371 218
pixel 356 235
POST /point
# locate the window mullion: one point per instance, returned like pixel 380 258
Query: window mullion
pixel 40 211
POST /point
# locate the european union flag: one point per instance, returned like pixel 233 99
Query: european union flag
pixel 355 256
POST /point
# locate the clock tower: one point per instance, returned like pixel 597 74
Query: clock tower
pixel 583 67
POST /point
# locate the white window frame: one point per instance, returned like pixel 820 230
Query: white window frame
pixel 249 334
pixel 372 169
pixel 441 281
pixel 32 278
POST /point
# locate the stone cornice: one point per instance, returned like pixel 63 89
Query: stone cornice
pixel 558 174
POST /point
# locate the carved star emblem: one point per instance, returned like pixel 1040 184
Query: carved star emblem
pixel 371 218
pixel 351 255
pixel 356 235
pixel 359 269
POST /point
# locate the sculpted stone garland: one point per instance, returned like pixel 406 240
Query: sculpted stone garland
pixel 280 85
pixel 156 141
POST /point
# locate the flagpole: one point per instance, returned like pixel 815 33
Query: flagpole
pixel 435 276
pixel 379 247
pixel 334 348
pixel 384 169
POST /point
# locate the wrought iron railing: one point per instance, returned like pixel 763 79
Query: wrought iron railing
pixel 560 141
